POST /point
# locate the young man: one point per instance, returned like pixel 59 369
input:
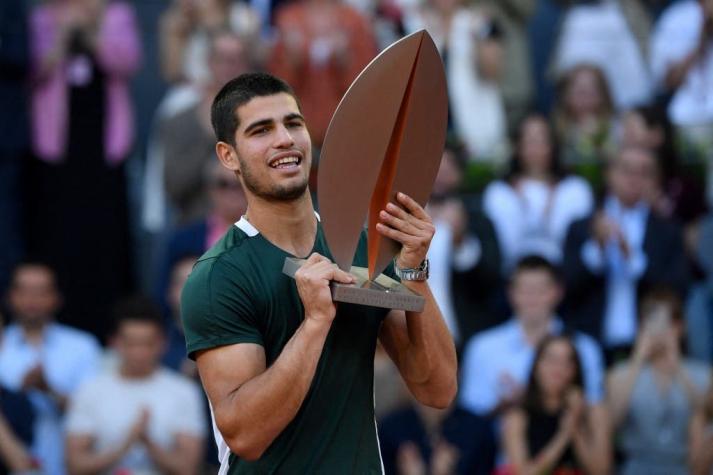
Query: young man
pixel 289 375
pixel 141 418
pixel 497 362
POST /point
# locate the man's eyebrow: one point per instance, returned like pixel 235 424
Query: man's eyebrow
pixel 293 116
pixel 256 124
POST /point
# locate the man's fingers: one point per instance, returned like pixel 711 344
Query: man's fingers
pixel 395 234
pixel 411 205
pixel 344 277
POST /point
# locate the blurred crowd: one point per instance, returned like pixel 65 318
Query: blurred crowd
pixel 573 259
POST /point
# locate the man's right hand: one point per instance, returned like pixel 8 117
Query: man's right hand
pixel 313 280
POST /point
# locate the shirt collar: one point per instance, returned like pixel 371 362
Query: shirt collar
pixel 245 226
pixel 518 332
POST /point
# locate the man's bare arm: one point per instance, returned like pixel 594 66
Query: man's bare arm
pixel 253 404
pixel 419 343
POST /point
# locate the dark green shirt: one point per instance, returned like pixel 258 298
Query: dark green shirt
pixel 237 293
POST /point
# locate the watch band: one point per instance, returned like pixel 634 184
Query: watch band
pixel 419 273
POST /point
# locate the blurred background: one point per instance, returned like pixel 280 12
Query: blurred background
pixel 573 258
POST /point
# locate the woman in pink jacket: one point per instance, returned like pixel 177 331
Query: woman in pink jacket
pixel 84 53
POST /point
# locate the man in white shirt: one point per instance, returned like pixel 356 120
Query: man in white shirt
pixel 141 417
pixel 46 359
pixel 619 251
pixel 497 362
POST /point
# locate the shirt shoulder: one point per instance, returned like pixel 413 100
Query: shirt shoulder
pixel 493 339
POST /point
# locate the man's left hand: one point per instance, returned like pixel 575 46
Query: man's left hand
pixel 412 227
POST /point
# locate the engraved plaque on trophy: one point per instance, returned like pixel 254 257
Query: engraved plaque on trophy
pixel 386 136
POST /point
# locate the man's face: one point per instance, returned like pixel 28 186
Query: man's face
pixel 534 295
pixel 228 58
pixel 632 177
pixel 273 148
pixel 33 295
pixel 140 345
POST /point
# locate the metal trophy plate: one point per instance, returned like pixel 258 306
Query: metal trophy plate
pixel 387 135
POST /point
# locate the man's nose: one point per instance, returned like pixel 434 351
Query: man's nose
pixel 284 137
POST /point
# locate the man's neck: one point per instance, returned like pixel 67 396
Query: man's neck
pixel 536 330
pixel 34 332
pixel 290 225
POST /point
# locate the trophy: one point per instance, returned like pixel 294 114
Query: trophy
pixel 386 136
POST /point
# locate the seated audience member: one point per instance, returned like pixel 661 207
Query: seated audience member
pixel 471 46
pixel 552 429
pixel 498 361
pixel 682 64
pixel 321 47
pixel 584 117
pixel 43 358
pixel 620 251
pixel 702 333
pixel 701 437
pixel 175 356
pixel 419 439
pixel 140 418
pixel 535 203
pixel 653 395
pixel 187 140
pixel 464 254
pixel 226 203
pixel 678 195
pixel 17 419
pixel 612 35
pixel 185 29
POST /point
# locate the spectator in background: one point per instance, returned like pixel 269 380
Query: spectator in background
pixel 227 203
pixel 464 254
pixel 419 440
pixel 140 418
pixel 516 78
pixel 584 118
pixel 497 362
pixel 618 252
pixel 470 44
pixel 701 437
pixel 700 337
pixel 175 356
pixel 678 194
pixel 653 395
pixel 533 206
pixel 613 36
pixel 552 429
pixel 682 64
pixel 17 419
pixel 14 130
pixel 187 139
pixel 16 432
pixel 322 45
pixel 185 30
pixel 84 53
pixel 44 358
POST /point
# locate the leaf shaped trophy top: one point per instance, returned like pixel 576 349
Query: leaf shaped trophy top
pixel 387 135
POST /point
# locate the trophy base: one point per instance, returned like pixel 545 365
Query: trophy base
pixel 383 292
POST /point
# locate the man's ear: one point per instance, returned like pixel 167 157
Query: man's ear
pixel 228 156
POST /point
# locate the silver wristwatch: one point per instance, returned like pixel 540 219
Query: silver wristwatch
pixel 417 273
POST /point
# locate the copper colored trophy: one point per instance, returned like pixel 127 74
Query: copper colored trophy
pixel 387 135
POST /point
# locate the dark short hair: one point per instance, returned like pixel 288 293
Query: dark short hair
pixel 237 92
pixel 536 262
pixel 137 308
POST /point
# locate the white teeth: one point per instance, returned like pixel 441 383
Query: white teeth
pixel 285 160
